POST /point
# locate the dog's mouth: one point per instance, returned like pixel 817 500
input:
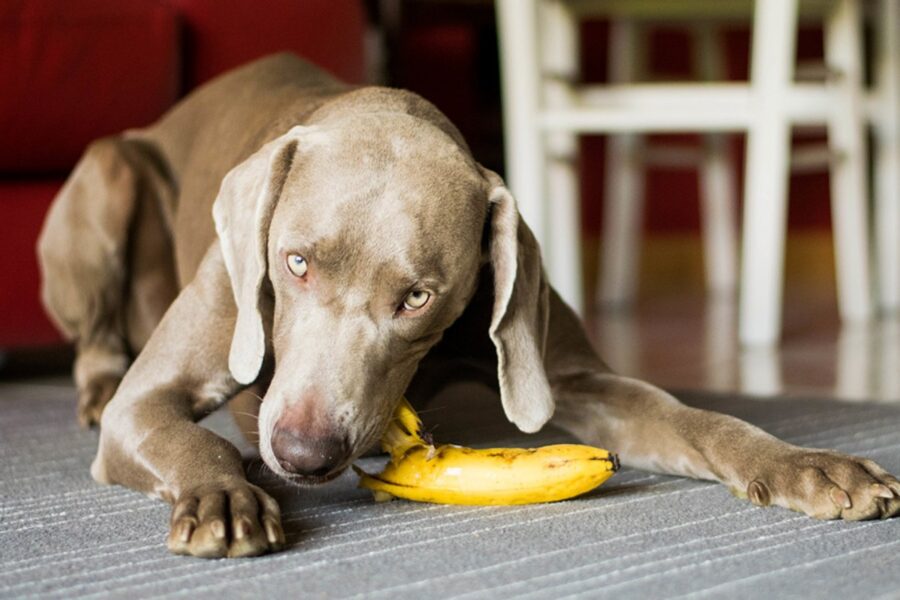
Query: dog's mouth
pixel 311 480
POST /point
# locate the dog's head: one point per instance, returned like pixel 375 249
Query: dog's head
pixel 352 244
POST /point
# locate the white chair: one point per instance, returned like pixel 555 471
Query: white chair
pixel 627 155
pixel 886 115
pixel 545 109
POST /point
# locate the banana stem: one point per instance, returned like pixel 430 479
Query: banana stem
pixel 404 432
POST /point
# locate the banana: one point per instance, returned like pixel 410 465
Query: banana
pixel 450 474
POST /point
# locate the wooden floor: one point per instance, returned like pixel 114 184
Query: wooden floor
pixel 682 340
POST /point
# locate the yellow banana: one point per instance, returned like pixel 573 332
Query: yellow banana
pixel 449 474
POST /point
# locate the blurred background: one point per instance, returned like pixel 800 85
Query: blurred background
pixel 77 70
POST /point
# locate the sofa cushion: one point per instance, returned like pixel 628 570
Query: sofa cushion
pixel 24 321
pixel 222 35
pixel 77 70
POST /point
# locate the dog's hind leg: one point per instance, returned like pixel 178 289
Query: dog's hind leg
pixel 106 262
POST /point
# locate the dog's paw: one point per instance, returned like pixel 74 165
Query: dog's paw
pixel 827 485
pixel 93 398
pixel 233 520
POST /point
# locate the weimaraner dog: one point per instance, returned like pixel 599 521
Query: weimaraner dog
pixel 339 247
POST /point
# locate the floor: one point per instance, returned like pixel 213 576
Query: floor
pixel 638 536
pixel 684 340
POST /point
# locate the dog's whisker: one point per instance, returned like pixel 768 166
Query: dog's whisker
pixel 244 414
pixel 254 394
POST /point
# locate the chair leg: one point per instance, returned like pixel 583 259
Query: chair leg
pixel 622 220
pixel 718 182
pixel 564 223
pixel 760 372
pixel 558 33
pixel 623 197
pixel 847 141
pixel 520 71
pixel 719 197
pixel 767 168
pixel 888 357
pixel 887 159
pixel 720 345
pixel 853 361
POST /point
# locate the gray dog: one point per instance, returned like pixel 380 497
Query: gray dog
pixel 338 247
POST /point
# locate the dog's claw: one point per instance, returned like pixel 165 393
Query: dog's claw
pixel 218 529
pixel 186 529
pixel 242 528
pixel 758 493
pixel 882 491
pixel 840 498
pixel 234 520
pixel 830 485
pixel 274 533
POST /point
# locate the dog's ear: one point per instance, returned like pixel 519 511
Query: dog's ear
pixel 242 213
pixel 520 312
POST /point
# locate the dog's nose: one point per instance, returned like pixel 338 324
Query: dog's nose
pixel 308 456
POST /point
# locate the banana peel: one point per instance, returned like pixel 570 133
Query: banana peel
pixel 449 474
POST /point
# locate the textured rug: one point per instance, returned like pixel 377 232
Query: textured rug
pixel 638 536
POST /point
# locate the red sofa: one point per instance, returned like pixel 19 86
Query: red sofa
pixel 77 70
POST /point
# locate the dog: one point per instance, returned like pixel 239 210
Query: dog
pixel 339 247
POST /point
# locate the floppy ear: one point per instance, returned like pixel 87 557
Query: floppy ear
pixel 242 213
pixel 520 313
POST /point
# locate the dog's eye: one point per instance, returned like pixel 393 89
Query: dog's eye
pixel 297 265
pixel 416 300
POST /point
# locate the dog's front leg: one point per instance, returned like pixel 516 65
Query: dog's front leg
pixel 150 441
pixel 652 430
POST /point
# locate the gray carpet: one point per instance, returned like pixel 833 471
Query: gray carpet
pixel 638 536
